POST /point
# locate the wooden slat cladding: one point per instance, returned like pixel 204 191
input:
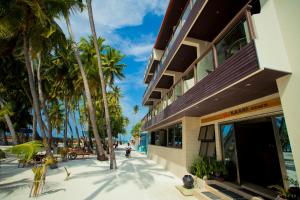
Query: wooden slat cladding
pixel 240 65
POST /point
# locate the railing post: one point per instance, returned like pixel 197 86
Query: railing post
pixel 215 56
pixel 250 22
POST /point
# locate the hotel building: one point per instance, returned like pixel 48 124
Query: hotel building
pixel 224 82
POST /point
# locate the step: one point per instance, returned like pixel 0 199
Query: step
pixel 205 195
pixel 229 191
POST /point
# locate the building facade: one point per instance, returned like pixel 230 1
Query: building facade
pixel 223 82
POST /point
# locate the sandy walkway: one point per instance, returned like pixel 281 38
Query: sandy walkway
pixel 136 178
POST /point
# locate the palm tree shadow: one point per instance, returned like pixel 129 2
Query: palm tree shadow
pixel 141 173
pixel 9 188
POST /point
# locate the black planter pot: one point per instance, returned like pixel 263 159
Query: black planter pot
pixel 188 182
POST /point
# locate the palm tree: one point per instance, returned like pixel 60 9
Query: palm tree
pixel 92 113
pixel 136 109
pixel 113 163
pixel 24 19
pixel 112 66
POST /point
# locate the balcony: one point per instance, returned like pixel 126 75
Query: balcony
pixel 226 74
pixel 200 20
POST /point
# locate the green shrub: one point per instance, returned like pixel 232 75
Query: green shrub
pixel 2 154
pixel 201 167
pixel 204 166
pixel 26 150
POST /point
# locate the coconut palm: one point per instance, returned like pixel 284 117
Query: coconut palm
pixel 112 65
pixel 25 19
pixel 113 163
pixel 136 109
pixel 92 114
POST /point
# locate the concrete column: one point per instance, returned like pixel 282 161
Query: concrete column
pixel 288 86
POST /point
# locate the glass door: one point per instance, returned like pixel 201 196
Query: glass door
pixel 229 151
pixel 285 152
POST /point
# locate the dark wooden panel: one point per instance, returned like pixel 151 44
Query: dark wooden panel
pixel 155 95
pixel 214 17
pixel 165 82
pixel 148 79
pixel 153 66
pixel 183 58
pixel 257 86
pixel 171 18
pixel 240 65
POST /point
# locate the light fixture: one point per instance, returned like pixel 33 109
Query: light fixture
pixel 248 84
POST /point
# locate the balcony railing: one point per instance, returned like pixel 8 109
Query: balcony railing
pixel 150 60
pixel 179 26
pixel 232 39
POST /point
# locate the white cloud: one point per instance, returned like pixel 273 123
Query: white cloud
pixel 109 17
pixel 115 14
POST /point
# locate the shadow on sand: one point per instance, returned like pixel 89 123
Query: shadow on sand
pixel 137 170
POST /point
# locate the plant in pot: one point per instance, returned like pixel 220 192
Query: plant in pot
pixel 219 170
pixel 201 167
pixel 292 193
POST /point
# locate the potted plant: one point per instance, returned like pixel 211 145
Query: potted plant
pixel 292 193
pixel 219 170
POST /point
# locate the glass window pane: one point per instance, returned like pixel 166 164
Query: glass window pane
pixel 287 151
pixel 211 149
pixel 229 150
pixel 188 81
pixel 205 66
pixel 170 97
pixel 237 38
pixel 171 134
pixel 203 149
pixel 178 90
pixel 202 134
pixel 210 134
pixel 163 137
pixel 178 136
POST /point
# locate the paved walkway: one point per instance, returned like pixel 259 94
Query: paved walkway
pixel 137 178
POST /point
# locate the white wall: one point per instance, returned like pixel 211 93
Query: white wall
pixel 269 42
pixel 288 15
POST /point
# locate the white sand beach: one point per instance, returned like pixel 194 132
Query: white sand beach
pixel 136 178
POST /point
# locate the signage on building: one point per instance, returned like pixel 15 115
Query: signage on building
pixel 243 110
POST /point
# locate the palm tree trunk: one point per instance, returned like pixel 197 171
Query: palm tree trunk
pixel 92 112
pixel 72 134
pixel 42 100
pixel 10 126
pixel 34 125
pixel 66 124
pixel 76 128
pixel 11 129
pixel 33 92
pixel 113 163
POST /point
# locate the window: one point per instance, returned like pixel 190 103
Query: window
pixel 188 81
pixel 170 97
pixel 178 90
pixel 205 66
pixel 171 137
pixel 178 135
pixel 237 38
pixel 207 141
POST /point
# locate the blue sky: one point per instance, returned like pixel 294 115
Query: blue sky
pixel 130 26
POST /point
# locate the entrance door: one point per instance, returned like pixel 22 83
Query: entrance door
pixel 257 153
